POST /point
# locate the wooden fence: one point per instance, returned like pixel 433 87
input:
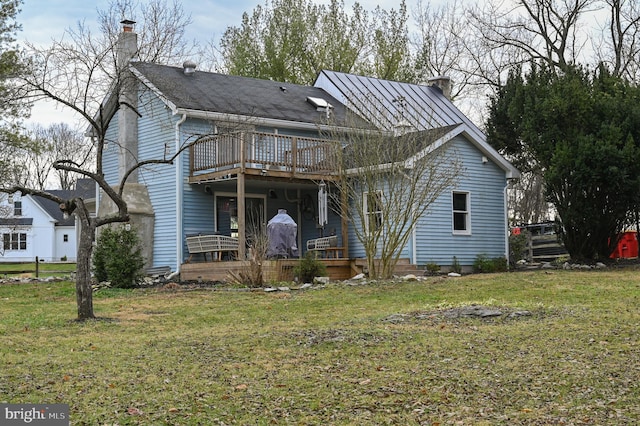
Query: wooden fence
pixel 31 268
pixel 544 248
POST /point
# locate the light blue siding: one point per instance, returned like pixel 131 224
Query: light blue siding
pixel 156 127
pixel 110 153
pixel 157 124
pixel 434 238
pixel 167 184
pixel 485 183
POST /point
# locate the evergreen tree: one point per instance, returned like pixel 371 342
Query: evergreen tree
pixel 12 108
pixel 581 129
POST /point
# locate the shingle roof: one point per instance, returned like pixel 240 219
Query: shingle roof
pixel 16 221
pixel 85 188
pixel 250 97
pixel 397 148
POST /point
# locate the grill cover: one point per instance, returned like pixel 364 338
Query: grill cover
pixel 282 232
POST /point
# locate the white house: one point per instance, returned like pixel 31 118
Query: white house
pixel 35 227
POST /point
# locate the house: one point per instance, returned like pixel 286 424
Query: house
pixel 256 147
pixel 33 226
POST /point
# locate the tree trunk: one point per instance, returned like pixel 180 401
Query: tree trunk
pixel 84 292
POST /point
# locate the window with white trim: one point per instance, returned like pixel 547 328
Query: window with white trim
pixel 14 241
pixel 373 210
pixel 17 208
pixel 461 214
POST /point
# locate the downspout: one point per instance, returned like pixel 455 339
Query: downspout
pixel 414 232
pixel 506 222
pixel 414 244
pixel 179 193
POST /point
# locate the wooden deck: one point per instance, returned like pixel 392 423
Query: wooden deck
pixel 262 155
pixel 273 270
pixel 281 270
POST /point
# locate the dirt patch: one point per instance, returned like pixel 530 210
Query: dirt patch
pixel 137 313
pixel 472 312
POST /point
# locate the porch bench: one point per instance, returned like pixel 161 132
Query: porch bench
pixel 214 244
pixel 328 246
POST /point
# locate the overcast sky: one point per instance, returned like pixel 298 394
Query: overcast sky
pixel 45 20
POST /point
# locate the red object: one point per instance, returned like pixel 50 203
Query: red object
pixel 627 247
pixel 515 231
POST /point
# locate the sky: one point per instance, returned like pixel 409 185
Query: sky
pixel 46 20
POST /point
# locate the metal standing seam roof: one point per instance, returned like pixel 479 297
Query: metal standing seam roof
pixel 242 96
pixel 386 103
pixel 425 107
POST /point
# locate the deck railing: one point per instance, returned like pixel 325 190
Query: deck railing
pixel 263 151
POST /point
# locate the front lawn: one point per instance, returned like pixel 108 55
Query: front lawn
pixel 559 347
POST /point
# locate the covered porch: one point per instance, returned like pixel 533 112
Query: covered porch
pixel 254 175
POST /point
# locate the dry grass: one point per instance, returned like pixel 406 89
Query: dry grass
pixel 386 353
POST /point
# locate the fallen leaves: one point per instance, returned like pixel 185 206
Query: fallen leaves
pixel 133 411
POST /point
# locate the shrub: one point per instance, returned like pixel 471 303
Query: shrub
pixel 517 248
pixel 117 257
pixel 485 264
pixel 258 245
pixel 432 268
pixel 455 266
pixel 309 267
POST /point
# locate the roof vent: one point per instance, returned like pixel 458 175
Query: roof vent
pixel 189 67
pixel 321 105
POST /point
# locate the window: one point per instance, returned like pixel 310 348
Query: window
pixel 14 241
pixel 373 211
pixel 65 238
pixel 17 208
pixel 461 216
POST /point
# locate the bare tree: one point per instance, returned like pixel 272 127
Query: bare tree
pixel 546 30
pixel 619 45
pixel 45 147
pixel 389 181
pixel 162 33
pixel 439 44
pixel 77 72
pixel 527 201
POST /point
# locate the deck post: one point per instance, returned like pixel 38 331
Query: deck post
pixel 242 242
pixel 241 217
pixel 345 223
